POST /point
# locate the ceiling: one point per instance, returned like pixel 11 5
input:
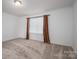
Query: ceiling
pixel 30 7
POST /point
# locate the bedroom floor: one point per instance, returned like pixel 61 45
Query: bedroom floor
pixel 29 49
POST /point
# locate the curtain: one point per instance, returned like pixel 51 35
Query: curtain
pixel 27 33
pixel 45 30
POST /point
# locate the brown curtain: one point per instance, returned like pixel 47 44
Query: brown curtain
pixel 27 33
pixel 45 30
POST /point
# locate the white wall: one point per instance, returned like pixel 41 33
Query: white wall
pixel 60 26
pixel 9 26
pixel 22 27
pixel 75 27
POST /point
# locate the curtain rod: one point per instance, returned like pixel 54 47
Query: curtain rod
pixel 38 16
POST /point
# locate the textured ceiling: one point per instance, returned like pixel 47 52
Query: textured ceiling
pixel 30 7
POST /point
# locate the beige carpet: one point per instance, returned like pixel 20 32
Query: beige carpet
pixel 29 49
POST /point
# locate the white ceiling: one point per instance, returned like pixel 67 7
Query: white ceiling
pixel 30 7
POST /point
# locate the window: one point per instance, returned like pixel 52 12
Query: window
pixel 36 29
